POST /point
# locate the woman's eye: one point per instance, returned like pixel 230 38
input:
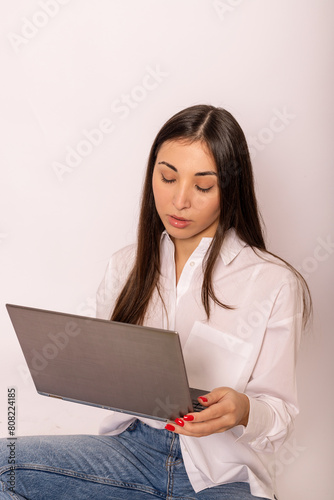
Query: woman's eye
pixel 168 181
pixel 204 190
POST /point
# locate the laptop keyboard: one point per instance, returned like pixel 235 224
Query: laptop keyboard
pixel 197 406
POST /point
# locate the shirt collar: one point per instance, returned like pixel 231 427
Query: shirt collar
pixel 231 247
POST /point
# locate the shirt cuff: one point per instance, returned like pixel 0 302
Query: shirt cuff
pixel 260 422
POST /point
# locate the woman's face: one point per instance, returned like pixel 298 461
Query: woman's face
pixel 186 192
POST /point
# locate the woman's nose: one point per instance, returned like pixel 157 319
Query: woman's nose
pixel 181 198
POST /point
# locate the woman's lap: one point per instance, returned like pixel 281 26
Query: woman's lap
pixel 120 467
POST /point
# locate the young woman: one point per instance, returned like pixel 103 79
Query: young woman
pixel 200 266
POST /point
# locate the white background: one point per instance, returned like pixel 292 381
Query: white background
pixel 65 70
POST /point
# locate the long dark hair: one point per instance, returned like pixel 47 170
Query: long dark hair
pixel 219 130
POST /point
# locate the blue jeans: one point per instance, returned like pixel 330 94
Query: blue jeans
pixel 140 463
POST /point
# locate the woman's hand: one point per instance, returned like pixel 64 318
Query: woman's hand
pixel 225 408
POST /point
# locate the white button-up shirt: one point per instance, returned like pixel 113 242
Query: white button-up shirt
pixel 251 348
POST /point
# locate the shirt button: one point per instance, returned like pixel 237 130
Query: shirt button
pixel 192 263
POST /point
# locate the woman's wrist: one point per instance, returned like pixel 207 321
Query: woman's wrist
pixel 244 420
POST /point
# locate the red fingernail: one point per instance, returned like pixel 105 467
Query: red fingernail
pixel 188 418
pixel 170 427
pixel 180 422
pixel 204 399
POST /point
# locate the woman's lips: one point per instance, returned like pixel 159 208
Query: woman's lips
pixel 178 222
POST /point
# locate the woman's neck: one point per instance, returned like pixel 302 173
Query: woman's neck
pixel 183 250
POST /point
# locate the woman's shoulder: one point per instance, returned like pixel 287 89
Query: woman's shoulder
pixel 121 262
pixel 124 254
pixel 118 269
pixel 255 263
pixel 273 265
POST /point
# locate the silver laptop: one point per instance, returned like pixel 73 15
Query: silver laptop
pixel 117 366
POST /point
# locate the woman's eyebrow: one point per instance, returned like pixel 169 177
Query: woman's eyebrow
pixel 199 174
pixel 209 172
pixel 168 165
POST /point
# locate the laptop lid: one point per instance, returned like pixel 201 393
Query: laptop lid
pixel 118 366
